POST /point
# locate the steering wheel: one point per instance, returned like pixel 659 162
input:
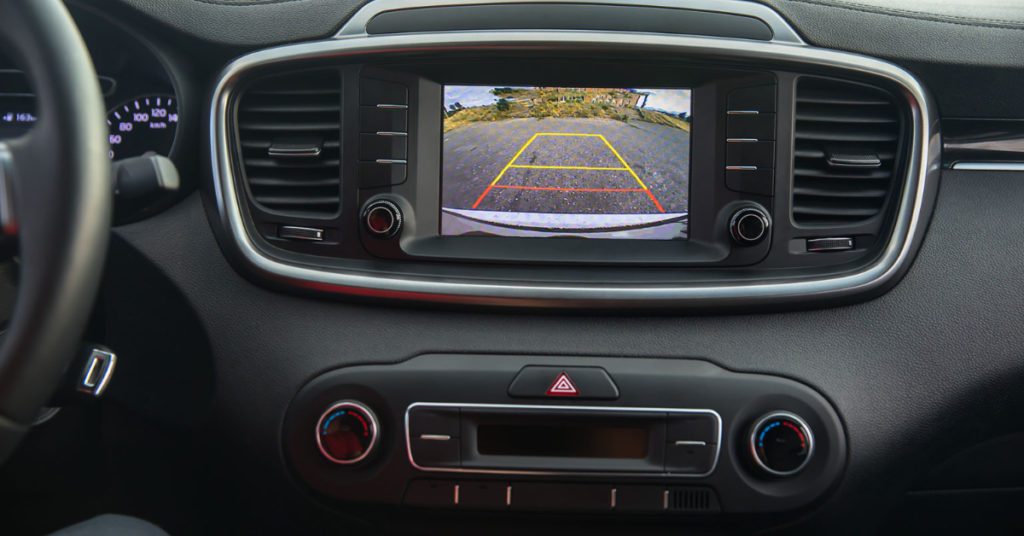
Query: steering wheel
pixel 55 200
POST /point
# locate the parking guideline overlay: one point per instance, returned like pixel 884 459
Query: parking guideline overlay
pixel 512 165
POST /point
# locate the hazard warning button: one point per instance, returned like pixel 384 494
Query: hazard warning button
pixel 582 383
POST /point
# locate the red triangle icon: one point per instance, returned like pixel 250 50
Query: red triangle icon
pixel 563 386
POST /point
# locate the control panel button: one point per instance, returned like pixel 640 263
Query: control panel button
pixel 584 383
pixel 553 497
pixel 390 146
pixel 759 126
pixel 638 499
pixel 347 432
pixel 781 443
pixel 692 457
pixel 431 493
pixel 382 218
pixel 377 174
pixel 702 427
pixel 749 226
pixel 759 98
pixel 373 92
pixel 750 179
pixel 373 120
pixel 484 495
pixel 759 154
pixel 435 450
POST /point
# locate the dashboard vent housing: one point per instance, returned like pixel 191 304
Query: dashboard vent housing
pixel 846 151
pixel 289 130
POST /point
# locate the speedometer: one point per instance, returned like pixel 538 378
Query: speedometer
pixel 141 125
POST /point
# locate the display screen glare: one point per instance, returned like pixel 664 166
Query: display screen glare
pixel 566 162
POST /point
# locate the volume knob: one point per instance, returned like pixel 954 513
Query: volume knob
pixel 749 226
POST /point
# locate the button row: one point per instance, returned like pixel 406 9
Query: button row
pixel 750 134
pixel 559 497
pixel 383 132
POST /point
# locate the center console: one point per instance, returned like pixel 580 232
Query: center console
pixel 565 434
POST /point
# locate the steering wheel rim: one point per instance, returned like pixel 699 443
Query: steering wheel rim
pixel 57 196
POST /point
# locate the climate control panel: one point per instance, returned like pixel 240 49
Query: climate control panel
pixel 564 434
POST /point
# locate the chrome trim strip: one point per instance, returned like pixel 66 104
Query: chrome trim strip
pixel 741 168
pixel 472 470
pixel 988 166
pixel 742 112
pixel 741 140
pixel 389 161
pixel 782 32
pixel 923 159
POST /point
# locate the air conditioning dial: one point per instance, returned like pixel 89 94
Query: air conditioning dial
pixel 347 432
pixel 781 444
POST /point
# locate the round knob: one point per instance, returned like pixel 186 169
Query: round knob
pixel 749 226
pixel 781 443
pixel 383 219
pixel 347 432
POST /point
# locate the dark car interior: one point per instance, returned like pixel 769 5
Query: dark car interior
pixel 511 266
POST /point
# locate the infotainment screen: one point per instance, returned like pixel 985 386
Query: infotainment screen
pixel 565 162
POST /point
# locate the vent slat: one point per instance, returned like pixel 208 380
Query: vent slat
pixel 834 121
pixel 843 133
pixel 869 193
pixel 285 109
pixel 292 163
pixel 870 174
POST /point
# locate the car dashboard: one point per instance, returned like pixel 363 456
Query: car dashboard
pixel 460 266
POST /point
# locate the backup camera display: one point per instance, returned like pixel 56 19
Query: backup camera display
pixel 566 162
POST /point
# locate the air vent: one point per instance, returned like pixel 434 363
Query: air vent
pixel 847 141
pixel 692 500
pixel 289 127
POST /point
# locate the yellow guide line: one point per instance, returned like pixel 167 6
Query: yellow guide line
pixel 514 158
pixel 617 155
pixel 524 166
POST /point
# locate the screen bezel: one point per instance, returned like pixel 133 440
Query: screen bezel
pixel 689 158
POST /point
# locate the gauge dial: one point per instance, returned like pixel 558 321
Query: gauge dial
pixel 143 124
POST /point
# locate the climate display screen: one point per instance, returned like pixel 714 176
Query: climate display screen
pixel 566 162
pixel 563 441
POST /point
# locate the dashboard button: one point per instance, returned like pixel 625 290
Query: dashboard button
pixel 373 147
pixel 689 457
pixel 377 174
pixel 750 126
pixel 433 493
pixel 759 98
pixel 692 428
pixel 436 450
pixel 639 499
pixel 373 120
pixel 373 92
pixel 550 497
pixel 760 154
pixel 751 181
pixel 433 421
pixel 484 495
pixel 589 383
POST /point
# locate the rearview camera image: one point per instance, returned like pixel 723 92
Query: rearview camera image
pixel 566 162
